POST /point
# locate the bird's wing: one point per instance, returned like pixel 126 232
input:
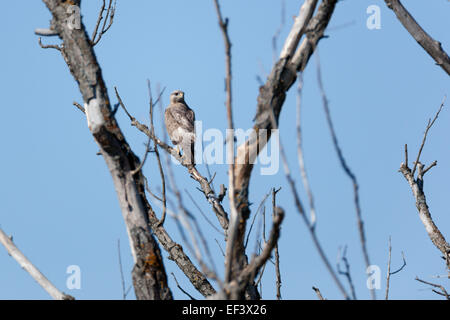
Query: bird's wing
pixel 171 124
pixel 183 116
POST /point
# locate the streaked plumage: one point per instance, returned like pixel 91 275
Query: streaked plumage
pixel 180 124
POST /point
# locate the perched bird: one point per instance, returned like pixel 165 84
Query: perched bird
pixel 179 120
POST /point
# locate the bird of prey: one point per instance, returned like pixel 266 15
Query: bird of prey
pixel 179 120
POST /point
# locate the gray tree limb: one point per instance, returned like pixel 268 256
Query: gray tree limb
pixel 31 269
pixel 431 46
pixel 79 55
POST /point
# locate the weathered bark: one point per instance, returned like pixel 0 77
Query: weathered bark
pixel 433 231
pixel 269 103
pixel 78 53
pixel 431 46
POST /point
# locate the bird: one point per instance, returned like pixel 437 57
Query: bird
pixel 180 125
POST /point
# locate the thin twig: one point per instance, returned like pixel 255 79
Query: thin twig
pixel 122 279
pixel 345 167
pixel 346 273
pixel 48 46
pixel 278 31
pixel 301 160
pixel 416 185
pixel 79 106
pixel 181 289
pixel 158 158
pixel 319 294
pixel 254 218
pixel 147 151
pixel 301 211
pixel 277 254
pixel 110 12
pixel 444 292
pixel 203 214
pixel 430 124
pixel 234 219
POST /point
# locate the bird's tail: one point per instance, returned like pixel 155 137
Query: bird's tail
pixel 192 155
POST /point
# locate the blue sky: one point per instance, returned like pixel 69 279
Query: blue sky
pixel 57 197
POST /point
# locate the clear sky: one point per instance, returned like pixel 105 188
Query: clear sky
pixel 57 197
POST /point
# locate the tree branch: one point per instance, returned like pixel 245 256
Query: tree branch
pixel 31 269
pixel 431 46
pixel 416 185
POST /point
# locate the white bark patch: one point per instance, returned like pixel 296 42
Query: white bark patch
pixel 427 223
pixel 94 115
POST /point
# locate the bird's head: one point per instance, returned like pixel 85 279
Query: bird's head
pixel 177 96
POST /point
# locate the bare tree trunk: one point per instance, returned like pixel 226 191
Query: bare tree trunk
pixel 77 50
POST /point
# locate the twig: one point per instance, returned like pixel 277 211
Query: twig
pixel 444 292
pixel 231 251
pixel 429 125
pixel 158 158
pixel 301 160
pixel 416 185
pixel 79 106
pixel 122 279
pixel 185 217
pixel 346 168
pixel 277 255
pixel 147 151
pixel 31 269
pixel 221 250
pixel 278 31
pixel 389 273
pixel 346 273
pixel 48 46
pixel 203 214
pixel 96 36
pixel 181 289
pixel 254 218
pixel 301 211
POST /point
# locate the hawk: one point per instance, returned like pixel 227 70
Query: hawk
pixel 179 120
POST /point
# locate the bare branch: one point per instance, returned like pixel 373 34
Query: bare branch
pixel 277 254
pixel 416 185
pixel 319 294
pixel 234 251
pixel 31 269
pixel 346 272
pixel 431 46
pixel 346 168
pixel 158 158
pixel 48 46
pixel 278 31
pixel 122 279
pixel 96 35
pixel 429 125
pixel 181 289
pixel 271 99
pixel 443 291
pixel 79 106
pixel 389 273
pixel 301 160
